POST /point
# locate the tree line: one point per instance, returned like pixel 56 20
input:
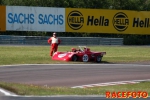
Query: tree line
pixel 98 4
pixel 137 5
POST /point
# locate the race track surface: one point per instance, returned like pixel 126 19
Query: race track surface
pixel 73 75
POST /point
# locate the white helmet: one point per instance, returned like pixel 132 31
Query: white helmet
pixel 54 33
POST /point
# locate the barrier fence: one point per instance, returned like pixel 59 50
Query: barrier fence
pixel 42 40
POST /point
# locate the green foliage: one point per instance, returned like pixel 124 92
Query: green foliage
pixel 136 39
pixel 138 5
pixel 99 4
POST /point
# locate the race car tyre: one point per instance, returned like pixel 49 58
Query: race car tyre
pixel 85 58
pixel 74 58
pixel 98 58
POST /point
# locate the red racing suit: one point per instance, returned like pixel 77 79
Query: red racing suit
pixel 54 41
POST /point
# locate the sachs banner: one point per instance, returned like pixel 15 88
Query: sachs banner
pixel 23 18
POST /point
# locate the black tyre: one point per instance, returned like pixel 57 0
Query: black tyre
pixel 74 58
pixel 98 58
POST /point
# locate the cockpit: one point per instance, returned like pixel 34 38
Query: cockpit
pixel 85 49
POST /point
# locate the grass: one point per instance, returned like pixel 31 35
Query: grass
pixel 40 54
pixel 23 89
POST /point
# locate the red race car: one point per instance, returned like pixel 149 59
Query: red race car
pixel 79 54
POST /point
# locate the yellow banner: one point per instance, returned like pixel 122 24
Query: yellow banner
pixel 107 21
pixel 2 18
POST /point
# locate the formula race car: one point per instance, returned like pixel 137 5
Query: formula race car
pixel 81 54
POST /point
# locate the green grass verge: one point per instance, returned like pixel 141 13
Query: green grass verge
pixel 40 54
pixel 22 89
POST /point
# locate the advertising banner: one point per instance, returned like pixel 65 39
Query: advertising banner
pixel 22 18
pixel 2 18
pixel 107 21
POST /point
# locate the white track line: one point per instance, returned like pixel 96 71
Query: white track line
pixel 73 65
pixel 6 93
pixel 110 83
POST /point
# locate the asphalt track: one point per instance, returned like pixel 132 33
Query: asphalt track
pixel 73 75
pixel 70 75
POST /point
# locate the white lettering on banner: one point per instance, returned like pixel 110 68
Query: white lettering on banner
pixel 22 18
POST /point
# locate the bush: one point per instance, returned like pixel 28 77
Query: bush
pixel 137 40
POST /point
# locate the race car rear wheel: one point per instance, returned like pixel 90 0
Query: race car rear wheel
pixel 74 58
pixel 98 58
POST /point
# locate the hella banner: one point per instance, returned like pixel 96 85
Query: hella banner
pixel 107 21
pixel 22 18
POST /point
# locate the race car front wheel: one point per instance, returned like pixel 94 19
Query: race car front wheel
pixel 98 58
pixel 74 58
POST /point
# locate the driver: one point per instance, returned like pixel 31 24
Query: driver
pixel 54 41
pixel 74 49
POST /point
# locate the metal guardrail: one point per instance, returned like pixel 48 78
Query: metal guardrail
pixel 42 40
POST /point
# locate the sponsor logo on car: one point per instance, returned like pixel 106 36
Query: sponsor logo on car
pixel 62 55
